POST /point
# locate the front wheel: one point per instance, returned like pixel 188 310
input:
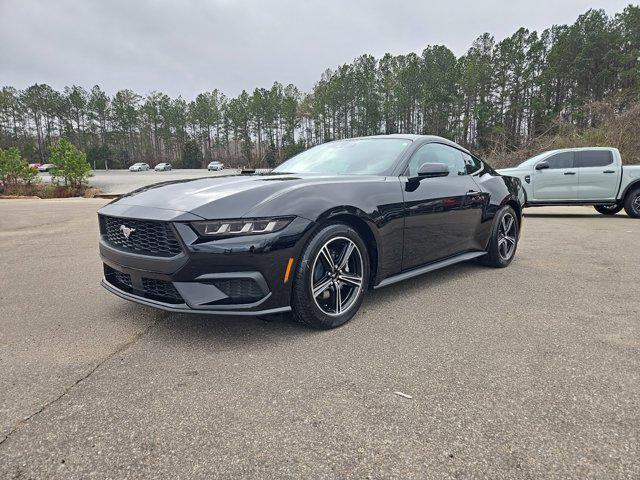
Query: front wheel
pixel 632 203
pixel 610 209
pixel 504 239
pixel 332 277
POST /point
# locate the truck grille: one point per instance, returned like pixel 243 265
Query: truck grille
pixel 153 289
pixel 147 237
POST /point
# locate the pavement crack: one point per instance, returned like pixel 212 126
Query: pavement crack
pixel 68 389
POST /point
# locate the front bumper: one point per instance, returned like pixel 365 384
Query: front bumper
pixel 183 308
pixel 228 276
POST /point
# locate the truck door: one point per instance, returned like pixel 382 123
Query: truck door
pixel 557 182
pixel 598 175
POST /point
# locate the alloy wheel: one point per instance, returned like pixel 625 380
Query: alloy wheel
pixel 507 234
pixel 613 206
pixel 337 276
pixel 636 203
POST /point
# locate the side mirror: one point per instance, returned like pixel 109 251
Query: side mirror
pixel 431 170
pixel 542 166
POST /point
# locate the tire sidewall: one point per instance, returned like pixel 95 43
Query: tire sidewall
pixel 493 250
pixel 628 206
pixel 302 300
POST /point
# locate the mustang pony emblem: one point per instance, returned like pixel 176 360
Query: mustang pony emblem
pixel 126 231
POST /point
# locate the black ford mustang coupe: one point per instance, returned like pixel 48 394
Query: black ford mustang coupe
pixel 313 235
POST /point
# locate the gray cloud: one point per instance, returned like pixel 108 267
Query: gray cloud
pixel 188 46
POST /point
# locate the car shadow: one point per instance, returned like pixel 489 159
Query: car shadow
pixel 230 332
pixel 572 215
pixel 423 283
pixel 222 332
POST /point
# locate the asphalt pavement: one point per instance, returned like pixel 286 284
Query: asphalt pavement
pixel 532 371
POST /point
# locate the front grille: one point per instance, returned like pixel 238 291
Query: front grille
pixel 152 288
pixel 239 290
pixel 147 237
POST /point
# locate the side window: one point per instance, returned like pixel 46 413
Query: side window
pixel 561 160
pixel 437 153
pixel 472 164
pixel 595 158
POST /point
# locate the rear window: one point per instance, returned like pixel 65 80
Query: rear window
pixel 595 158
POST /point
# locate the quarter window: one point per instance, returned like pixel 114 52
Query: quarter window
pixel 595 158
pixel 561 160
pixel 472 164
pixel 437 153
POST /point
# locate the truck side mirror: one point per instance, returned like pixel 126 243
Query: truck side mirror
pixel 542 166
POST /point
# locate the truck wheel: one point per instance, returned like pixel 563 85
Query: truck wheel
pixel 608 209
pixel 632 203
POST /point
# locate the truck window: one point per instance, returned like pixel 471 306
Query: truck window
pixel 561 160
pixel 595 158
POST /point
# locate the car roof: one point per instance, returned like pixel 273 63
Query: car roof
pixel 414 138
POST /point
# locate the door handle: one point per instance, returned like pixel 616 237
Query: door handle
pixel 569 173
pixel 609 171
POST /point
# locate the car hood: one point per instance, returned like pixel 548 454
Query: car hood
pixel 508 171
pixel 233 196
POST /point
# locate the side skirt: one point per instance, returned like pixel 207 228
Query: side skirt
pixel 568 203
pixel 463 257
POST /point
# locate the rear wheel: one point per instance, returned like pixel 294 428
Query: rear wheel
pixel 504 239
pixel 610 209
pixel 632 203
pixel 331 279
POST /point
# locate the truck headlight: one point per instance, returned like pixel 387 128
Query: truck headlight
pixel 227 228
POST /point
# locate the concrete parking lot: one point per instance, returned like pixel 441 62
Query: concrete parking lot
pixel 527 372
pixel 117 182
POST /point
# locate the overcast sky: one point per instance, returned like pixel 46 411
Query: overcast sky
pixel 184 47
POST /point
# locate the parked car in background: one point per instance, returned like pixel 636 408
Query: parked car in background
pixel 580 176
pixel 139 167
pixel 46 167
pixel 313 235
pixel 215 165
pixel 162 167
pixel 35 165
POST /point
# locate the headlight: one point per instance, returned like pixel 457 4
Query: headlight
pixel 226 228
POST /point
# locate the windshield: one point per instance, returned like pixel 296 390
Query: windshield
pixel 534 159
pixel 361 156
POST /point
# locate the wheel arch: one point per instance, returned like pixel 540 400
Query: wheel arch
pixel 517 208
pixel 359 221
pixel 628 189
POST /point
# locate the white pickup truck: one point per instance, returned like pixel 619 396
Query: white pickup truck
pixel 580 176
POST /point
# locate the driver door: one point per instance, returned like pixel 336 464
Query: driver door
pixel 559 181
pixel 442 214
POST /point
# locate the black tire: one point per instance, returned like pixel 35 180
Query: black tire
pixel 611 209
pixel 495 256
pixel 305 308
pixel 632 203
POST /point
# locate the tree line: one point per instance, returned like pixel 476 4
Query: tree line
pixel 496 98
